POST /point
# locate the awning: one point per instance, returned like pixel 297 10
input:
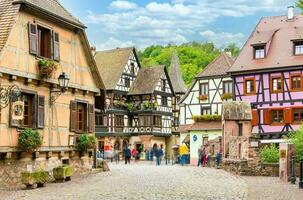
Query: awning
pixel 186 139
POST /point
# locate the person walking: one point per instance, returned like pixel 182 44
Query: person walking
pixel 127 155
pixel 183 153
pixel 116 156
pixel 200 155
pixel 158 154
pixel 204 157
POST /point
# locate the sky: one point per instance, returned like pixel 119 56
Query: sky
pixel 141 23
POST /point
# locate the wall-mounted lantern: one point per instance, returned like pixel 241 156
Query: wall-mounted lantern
pixel 63 80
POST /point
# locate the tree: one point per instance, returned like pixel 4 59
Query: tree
pixel 300 4
pixel 234 49
pixel 296 138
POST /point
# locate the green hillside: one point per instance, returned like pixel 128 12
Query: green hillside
pixel 193 57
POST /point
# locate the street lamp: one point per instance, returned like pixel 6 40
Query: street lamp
pixel 63 80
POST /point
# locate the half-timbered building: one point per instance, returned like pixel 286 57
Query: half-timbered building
pixel 204 99
pixel 32 33
pixel 268 74
pixel 138 108
pixel 208 90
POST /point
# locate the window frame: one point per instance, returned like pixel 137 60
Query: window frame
pixel 84 117
pixel 50 42
pixel 245 86
pixel 205 109
pixel 291 76
pixel 164 101
pixel 127 82
pixel 227 82
pixel 163 85
pixel 277 123
pixel 258 47
pixel 295 44
pixel 31 110
pixel 300 115
pixel 157 121
pixel 119 121
pixel 206 88
pixel 272 86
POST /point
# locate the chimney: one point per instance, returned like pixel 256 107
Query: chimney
pixel 290 15
pixel 93 50
pixel 228 52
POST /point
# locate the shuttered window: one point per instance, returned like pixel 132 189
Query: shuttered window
pixel 82 117
pixel 297 114
pixel 157 121
pixel 43 42
pixel 41 112
pixel 277 116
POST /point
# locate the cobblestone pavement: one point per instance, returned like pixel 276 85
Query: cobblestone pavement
pixel 146 181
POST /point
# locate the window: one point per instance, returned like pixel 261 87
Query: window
pixel 298 115
pixel 298 48
pixel 228 87
pixel 204 89
pixel 249 86
pixel 81 117
pixel 132 67
pixel 295 82
pixel 259 52
pixel 43 42
pixel 276 84
pixel 145 120
pixel 157 121
pixel 205 111
pixel 277 116
pixel 164 101
pixel 119 119
pixel 28 117
pixel 101 120
pixel 127 82
pixel 163 86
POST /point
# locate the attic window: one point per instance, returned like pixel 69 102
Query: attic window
pixel 259 52
pixel 298 48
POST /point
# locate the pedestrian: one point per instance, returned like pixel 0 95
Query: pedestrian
pixel 183 153
pixel 204 157
pixel 116 156
pixel 200 155
pixel 158 154
pixel 127 155
pixel 218 159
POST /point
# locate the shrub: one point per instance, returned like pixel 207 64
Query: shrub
pixel 86 142
pixel 29 140
pixel 269 154
pixel 46 68
pixel 130 106
pixel 201 118
pixel 296 138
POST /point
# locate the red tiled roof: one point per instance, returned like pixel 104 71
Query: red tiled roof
pixel 278 32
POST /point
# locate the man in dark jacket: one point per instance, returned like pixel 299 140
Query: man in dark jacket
pixel 127 155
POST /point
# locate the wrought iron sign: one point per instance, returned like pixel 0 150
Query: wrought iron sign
pixel 9 94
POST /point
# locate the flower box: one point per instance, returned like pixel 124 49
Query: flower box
pixel 46 68
pixel 203 97
pixel 206 118
pixel 227 96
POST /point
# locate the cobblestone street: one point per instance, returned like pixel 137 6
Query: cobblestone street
pixel 146 181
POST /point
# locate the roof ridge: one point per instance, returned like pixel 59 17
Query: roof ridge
pixel 116 49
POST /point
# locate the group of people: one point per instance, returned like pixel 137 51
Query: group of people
pixel 156 151
pixel 202 156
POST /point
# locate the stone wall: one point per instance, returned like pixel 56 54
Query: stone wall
pixel 10 169
pixel 249 168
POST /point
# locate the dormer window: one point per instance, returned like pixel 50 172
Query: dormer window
pixel 298 48
pixel 259 52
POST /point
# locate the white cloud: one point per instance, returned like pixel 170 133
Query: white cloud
pixel 114 43
pixel 123 5
pixel 176 21
pixel 222 39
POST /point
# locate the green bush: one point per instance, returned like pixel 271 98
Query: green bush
pixel 202 118
pixel 29 140
pixel 269 154
pixel 86 142
pixel 296 138
pixel 227 96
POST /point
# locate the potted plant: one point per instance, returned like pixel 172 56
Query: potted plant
pixel 29 140
pixel 146 105
pixel 31 178
pixel 203 97
pixel 227 96
pixel 63 173
pixel 130 106
pixel 155 105
pixel 47 68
